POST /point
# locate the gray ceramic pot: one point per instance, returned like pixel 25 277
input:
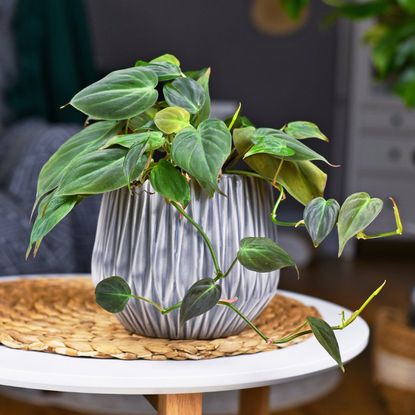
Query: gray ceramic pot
pixel 144 240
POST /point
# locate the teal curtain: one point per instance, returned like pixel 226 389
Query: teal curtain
pixel 54 59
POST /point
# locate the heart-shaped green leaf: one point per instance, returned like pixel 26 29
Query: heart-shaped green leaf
pixel 165 71
pixel 185 93
pixel 120 95
pixel 302 179
pixel 89 139
pixel 263 255
pixel 201 297
pixel 97 172
pixel 52 209
pixel 320 216
pixel 172 119
pixel 358 211
pixel 201 152
pixel 155 140
pixel 135 161
pixel 304 129
pixel 326 337
pixel 269 137
pixel 112 294
pixel 169 182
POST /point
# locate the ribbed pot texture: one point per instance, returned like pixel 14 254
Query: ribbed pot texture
pixel 144 240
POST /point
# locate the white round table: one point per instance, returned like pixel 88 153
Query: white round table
pixel 178 385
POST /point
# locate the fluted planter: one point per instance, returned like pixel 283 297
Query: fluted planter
pixel 160 254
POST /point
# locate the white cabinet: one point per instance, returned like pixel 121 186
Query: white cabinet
pixel 379 136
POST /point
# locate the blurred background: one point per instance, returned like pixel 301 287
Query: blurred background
pixel 347 67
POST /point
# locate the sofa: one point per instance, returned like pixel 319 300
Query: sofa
pixel 26 143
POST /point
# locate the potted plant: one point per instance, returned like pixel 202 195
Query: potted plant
pixel 180 229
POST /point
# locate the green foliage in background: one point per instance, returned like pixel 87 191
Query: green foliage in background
pixel 391 37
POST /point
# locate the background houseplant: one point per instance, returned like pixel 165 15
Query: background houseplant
pixel 153 127
pixel 391 37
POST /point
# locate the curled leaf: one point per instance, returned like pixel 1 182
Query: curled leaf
pixel 304 129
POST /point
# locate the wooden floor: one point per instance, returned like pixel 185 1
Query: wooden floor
pixel 346 283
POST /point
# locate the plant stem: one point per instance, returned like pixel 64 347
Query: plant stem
pixel 274 180
pixel 203 234
pixel 218 277
pixel 355 314
pixel 245 318
pixel 171 308
pixel 398 231
pixel 244 173
pixel 148 301
pixel 161 309
pixel 296 333
pixel 274 212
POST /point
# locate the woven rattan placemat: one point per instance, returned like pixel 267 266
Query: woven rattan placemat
pixel 59 315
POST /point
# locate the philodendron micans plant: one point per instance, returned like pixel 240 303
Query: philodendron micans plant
pixel 151 122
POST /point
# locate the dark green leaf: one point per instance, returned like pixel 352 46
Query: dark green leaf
pixel 185 93
pixel 97 172
pixel 326 337
pixel 52 209
pixel 320 216
pixel 172 119
pixel 112 294
pixel 120 95
pixel 201 297
pixel 358 211
pixel 304 129
pixel 302 179
pixel 169 182
pixel 155 140
pixel 201 152
pixel 89 139
pixel 263 255
pixel 135 161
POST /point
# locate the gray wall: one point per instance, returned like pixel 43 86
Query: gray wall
pixel 277 79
